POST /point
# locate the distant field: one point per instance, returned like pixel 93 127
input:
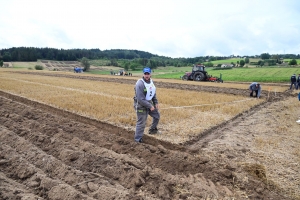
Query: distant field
pixel 24 64
pixel 234 60
pixel 99 62
pixel 287 60
pixel 245 74
pixel 227 61
pixel 257 74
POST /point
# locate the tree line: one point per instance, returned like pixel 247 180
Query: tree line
pixel 27 54
pixel 23 54
pixel 20 54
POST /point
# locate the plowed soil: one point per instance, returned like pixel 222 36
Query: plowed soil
pixel 47 153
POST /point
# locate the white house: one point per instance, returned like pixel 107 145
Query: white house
pixel 226 65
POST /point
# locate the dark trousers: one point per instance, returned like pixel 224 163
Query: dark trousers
pixel 251 93
pixel 142 120
pixel 295 84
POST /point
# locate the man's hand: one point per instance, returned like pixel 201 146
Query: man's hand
pixel 153 108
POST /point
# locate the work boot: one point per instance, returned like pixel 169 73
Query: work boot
pixel 140 141
pixel 153 131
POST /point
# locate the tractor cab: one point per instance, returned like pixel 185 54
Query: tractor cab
pixel 198 68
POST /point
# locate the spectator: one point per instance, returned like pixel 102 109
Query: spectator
pixel 255 87
pixel 298 82
pixel 293 81
pixel 299 100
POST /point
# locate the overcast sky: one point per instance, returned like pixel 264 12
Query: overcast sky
pixel 174 28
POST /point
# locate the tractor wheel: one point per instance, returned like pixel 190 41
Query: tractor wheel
pixel 199 76
pixel 185 78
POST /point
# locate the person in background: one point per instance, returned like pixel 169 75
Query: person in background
pixel 145 103
pixel 299 100
pixel 255 87
pixel 298 82
pixel 293 81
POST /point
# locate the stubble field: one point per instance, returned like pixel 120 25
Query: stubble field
pixel 70 136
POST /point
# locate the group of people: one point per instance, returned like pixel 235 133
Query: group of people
pixel 255 87
pixel 121 73
pixel 295 81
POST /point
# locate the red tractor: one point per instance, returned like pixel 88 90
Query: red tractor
pixel 199 74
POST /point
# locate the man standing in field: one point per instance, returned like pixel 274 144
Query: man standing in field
pixel 255 87
pixel 293 81
pixel 145 103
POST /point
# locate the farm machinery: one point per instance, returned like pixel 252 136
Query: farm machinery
pixel 78 70
pixel 199 74
pixel 122 72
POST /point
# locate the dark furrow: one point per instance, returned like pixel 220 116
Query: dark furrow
pixel 20 170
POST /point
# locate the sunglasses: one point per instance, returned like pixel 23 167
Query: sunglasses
pixel 147 73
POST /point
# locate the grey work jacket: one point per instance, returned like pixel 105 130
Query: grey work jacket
pixel 140 102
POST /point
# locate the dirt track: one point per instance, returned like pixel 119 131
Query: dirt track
pixel 46 153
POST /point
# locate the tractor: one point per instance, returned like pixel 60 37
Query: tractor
pixel 122 72
pixel 199 74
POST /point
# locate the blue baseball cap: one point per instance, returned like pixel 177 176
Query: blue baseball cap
pixel 147 70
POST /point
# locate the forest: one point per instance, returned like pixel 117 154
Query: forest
pixel 24 54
